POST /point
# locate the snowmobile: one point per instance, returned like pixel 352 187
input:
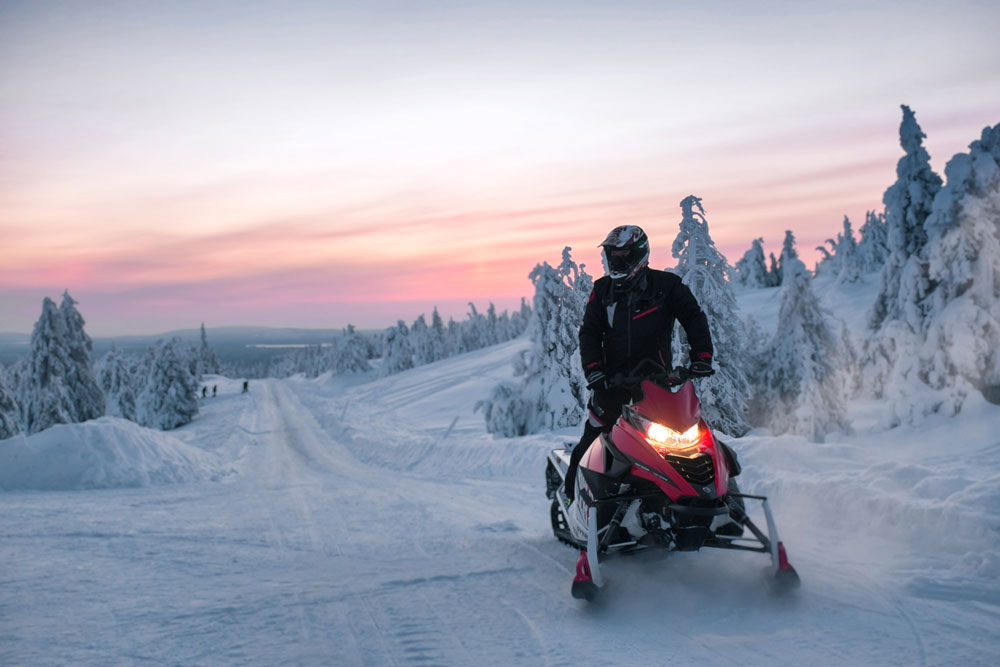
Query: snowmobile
pixel 659 480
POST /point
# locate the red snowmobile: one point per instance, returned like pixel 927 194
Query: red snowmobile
pixel 659 480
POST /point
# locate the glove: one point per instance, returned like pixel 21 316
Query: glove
pixel 596 379
pixel 701 369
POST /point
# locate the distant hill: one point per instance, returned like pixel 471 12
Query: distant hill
pixel 230 343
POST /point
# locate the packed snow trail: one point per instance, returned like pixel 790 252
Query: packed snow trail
pixel 364 525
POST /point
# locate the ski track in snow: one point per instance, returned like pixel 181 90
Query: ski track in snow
pixel 366 525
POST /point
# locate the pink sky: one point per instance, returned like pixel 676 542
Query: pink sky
pixel 314 165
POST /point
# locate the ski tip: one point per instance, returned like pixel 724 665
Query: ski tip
pixel 786 580
pixel 585 590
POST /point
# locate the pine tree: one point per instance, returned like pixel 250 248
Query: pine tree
pixel 961 351
pixel 774 273
pixel 871 248
pixel 907 205
pixel 799 387
pixel 170 396
pixel 208 362
pixel 117 378
pixel 551 391
pixel 751 270
pixel 9 419
pixel 398 354
pixel 849 267
pixel 60 387
pixel 706 272
pixel 351 353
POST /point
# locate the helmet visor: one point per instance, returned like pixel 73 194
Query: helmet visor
pixel 623 260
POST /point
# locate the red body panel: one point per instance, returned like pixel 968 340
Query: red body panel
pixel 679 411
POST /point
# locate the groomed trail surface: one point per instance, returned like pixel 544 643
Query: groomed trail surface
pixel 373 522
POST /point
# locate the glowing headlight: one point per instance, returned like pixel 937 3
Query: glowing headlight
pixel 668 441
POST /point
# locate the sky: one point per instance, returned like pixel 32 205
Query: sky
pixel 313 164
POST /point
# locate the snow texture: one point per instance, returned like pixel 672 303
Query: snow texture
pixel 376 522
pixel 101 454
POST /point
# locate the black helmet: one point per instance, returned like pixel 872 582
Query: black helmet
pixel 626 252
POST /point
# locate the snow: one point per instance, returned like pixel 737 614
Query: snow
pixel 99 454
pixel 360 520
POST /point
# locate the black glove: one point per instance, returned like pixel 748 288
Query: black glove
pixel 701 369
pixel 596 379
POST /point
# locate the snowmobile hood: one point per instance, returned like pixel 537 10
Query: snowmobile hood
pixel 677 410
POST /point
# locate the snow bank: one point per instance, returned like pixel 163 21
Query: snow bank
pixel 105 453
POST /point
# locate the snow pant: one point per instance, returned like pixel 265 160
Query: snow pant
pixel 603 409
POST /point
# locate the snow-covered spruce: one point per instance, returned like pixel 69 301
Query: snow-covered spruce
pixel 170 396
pixel 799 386
pixel 706 272
pixel 60 387
pixel 208 362
pixel 9 420
pixel 842 258
pixel 751 270
pixel 120 379
pixel 350 353
pixel 398 354
pixel 773 272
pixel 551 390
pixel 903 281
pixel 872 249
pixel 961 325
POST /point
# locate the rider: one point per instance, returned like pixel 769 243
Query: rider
pixel 630 318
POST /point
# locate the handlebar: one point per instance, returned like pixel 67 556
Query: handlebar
pixel 668 378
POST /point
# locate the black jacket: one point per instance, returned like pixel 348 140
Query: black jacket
pixel 621 328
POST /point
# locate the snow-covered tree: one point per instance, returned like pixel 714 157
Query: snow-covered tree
pixel 551 390
pixel 751 270
pixel 208 362
pixel 961 350
pixel 872 246
pixel 117 377
pixel 350 353
pixel 773 272
pixel 9 417
pixel 705 271
pixel 170 396
pixel 903 281
pixel 60 387
pixel 798 381
pixel 398 354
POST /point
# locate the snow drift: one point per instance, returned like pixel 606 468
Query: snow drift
pixel 105 453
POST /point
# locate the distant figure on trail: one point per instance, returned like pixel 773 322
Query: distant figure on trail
pixel 246 386
pixel 204 392
pixel 215 389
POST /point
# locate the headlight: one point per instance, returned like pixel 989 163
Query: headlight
pixel 666 440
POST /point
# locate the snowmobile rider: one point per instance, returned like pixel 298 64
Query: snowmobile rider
pixel 630 318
